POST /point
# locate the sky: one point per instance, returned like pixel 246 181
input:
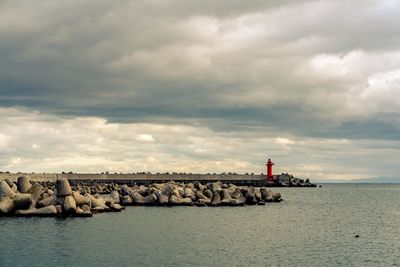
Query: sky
pixel 201 86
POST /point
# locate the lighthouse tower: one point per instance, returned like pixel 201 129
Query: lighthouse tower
pixel 269 164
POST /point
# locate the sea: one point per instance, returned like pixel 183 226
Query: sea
pixel 311 227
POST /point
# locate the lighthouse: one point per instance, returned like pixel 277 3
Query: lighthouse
pixel 269 164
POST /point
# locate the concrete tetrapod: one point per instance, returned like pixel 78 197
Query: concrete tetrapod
pixel 98 204
pixel 63 188
pixel 225 197
pixel 165 194
pixel 216 199
pixel 216 186
pixel 139 199
pixel 69 205
pixel 177 200
pixel 207 193
pixel 22 201
pixel 6 205
pixel 17 201
pixel 114 196
pixel 23 184
pixel 126 200
pixel 48 201
pixel 5 190
pixel 188 192
pixel 267 195
pixel 35 191
pixel 79 199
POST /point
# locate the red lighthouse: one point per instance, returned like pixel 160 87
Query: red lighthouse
pixel 269 164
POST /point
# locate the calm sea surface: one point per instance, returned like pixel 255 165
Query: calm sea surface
pixel 312 227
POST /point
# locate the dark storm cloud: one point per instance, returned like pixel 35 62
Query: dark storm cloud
pixel 289 69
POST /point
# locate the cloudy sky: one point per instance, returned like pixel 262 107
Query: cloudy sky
pixel 201 86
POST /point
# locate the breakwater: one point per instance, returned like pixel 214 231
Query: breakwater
pixel 149 178
pixel 45 198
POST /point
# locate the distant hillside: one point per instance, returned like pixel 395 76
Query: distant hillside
pixel 373 180
pixel 376 180
pixel 327 181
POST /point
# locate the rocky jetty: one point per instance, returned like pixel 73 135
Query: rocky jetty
pixel 286 179
pixel 212 194
pixel 26 198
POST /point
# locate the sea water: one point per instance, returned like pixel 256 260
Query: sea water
pixel 311 227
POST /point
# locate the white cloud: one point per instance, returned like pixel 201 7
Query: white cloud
pixel 145 138
pixel 284 141
pixel 43 143
pixel 15 162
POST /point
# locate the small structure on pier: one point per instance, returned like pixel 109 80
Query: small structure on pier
pixel 270 176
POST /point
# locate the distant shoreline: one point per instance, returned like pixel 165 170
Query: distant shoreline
pixel 374 180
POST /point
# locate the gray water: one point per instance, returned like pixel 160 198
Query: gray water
pixel 312 227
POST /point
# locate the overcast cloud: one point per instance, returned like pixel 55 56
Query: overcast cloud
pixel 201 86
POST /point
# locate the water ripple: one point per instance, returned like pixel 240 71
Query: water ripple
pixel 312 227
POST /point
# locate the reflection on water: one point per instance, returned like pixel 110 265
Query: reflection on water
pixel 313 226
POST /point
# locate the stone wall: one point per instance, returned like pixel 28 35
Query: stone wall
pixel 136 176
